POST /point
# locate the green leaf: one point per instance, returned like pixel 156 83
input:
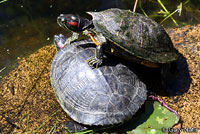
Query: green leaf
pixel 179 8
pixel 163 12
pixel 3 1
pixel 160 118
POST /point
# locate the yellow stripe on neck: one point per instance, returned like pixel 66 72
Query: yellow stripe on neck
pixel 93 39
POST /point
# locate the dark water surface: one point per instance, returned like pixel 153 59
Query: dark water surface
pixel 27 25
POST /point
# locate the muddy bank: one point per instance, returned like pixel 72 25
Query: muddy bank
pixel 187 42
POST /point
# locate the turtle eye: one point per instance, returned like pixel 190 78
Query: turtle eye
pixel 73 21
pixel 61 20
pixel 73 17
pixel 69 22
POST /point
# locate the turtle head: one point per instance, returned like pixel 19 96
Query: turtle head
pixel 72 22
pixel 69 21
pixel 95 15
pixel 59 41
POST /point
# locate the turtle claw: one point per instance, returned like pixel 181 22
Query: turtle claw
pixel 94 62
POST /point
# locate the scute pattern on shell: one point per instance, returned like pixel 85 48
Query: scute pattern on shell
pixel 107 95
pixel 135 34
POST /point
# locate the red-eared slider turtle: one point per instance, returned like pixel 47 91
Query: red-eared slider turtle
pixel 123 33
pixel 108 95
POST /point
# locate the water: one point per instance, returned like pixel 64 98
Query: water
pixel 27 25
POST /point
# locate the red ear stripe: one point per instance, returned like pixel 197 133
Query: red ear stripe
pixel 74 24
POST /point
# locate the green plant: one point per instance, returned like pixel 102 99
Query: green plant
pixel 3 1
pixel 164 12
pixel 38 128
pixel 160 118
pixel 2 70
pixel 167 14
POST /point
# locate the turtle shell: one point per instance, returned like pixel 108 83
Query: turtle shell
pixel 135 34
pixel 108 95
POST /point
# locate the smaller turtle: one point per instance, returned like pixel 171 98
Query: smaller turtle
pixel 123 33
pixel 106 96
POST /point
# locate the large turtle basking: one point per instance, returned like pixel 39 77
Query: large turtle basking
pixel 123 33
pixel 105 96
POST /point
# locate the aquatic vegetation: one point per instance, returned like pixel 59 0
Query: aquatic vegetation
pixel 3 1
pixel 1 71
pixel 160 120
pixel 167 14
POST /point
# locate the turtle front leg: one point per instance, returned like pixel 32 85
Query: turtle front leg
pixel 72 38
pixel 96 60
pixel 100 41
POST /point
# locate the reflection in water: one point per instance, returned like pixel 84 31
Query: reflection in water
pixel 24 40
pixel 28 25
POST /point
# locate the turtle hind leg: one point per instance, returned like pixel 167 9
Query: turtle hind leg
pixel 74 127
pixel 71 39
